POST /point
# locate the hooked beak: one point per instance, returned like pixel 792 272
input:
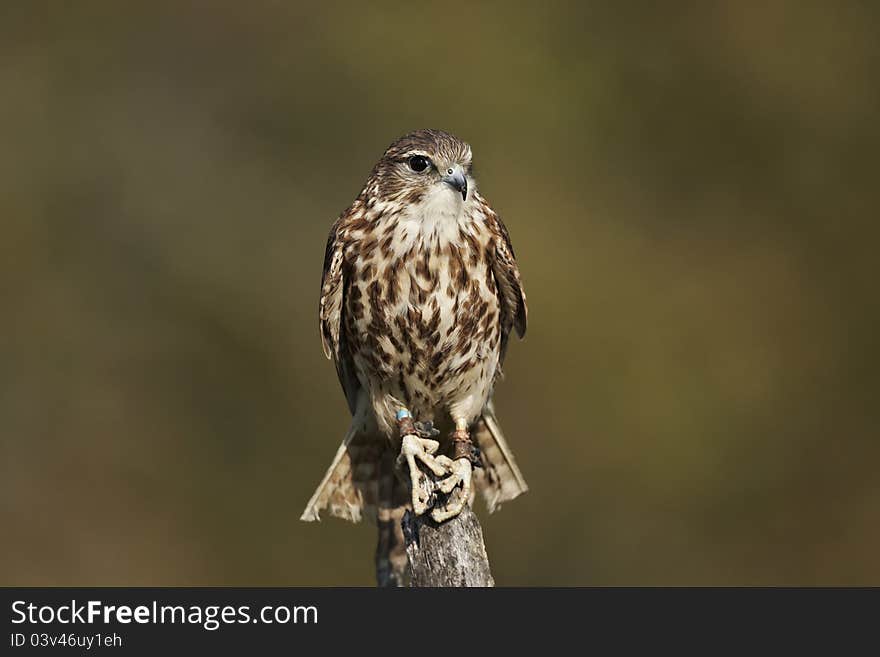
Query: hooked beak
pixel 457 180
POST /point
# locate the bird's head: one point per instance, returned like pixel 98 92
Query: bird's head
pixel 425 164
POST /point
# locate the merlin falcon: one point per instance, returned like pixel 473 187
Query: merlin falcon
pixel 419 294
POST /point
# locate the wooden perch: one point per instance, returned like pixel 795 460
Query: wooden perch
pixel 451 554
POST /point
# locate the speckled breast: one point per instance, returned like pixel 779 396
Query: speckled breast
pixel 423 324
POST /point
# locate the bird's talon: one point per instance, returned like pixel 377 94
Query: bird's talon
pixel 461 475
pixel 415 449
pixel 430 446
pixel 453 477
pixel 426 429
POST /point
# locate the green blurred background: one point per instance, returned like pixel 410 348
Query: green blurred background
pixel 691 191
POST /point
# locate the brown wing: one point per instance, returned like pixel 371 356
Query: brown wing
pixel 330 314
pixel 500 479
pixel 512 297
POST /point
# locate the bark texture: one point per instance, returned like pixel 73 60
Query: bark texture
pixel 451 554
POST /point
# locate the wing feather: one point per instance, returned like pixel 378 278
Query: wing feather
pixel 511 295
pixel 332 288
pixel 330 313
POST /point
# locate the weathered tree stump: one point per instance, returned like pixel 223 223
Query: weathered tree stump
pixel 449 554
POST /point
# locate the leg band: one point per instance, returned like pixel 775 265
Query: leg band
pixel 462 447
pixel 405 423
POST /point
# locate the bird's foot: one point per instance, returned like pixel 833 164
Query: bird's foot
pixel 452 477
pixel 426 429
pixel 457 486
pixel 417 446
pixel 415 450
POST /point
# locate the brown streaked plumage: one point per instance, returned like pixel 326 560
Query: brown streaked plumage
pixel 419 294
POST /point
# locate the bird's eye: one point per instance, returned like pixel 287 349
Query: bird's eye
pixel 419 163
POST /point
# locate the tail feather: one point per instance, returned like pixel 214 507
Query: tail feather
pixel 349 489
pixel 499 479
pixel 361 482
